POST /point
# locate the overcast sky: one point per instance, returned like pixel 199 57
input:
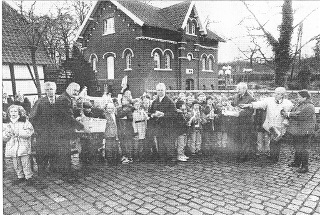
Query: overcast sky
pixel 227 21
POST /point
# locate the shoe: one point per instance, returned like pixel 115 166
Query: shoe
pixel 302 170
pixel 293 164
pixel 18 181
pixel 125 160
pixel 185 157
pixel 30 182
pixel 182 159
pixel 130 160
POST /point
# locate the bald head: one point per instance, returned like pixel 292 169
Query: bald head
pixel 161 89
pixel 73 89
pixel 279 93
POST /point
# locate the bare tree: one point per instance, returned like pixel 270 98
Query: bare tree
pixel 81 9
pixel 34 29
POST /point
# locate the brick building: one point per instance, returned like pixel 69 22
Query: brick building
pixel 149 45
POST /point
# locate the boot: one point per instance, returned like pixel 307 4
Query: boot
pixel 304 163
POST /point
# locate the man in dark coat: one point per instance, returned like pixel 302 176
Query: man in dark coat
pixel 302 120
pixel 42 119
pixel 163 112
pixel 65 129
pixel 245 138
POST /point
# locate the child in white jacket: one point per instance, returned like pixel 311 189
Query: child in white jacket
pixel 17 136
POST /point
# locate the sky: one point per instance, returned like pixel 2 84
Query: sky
pixel 230 19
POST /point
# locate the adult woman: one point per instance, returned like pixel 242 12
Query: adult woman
pixel 302 121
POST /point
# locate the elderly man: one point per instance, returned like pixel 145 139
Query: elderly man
pixel 244 126
pixel 163 112
pixel 274 121
pixel 42 118
pixel 66 125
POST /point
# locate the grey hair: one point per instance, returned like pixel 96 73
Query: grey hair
pixel 49 84
pixel 161 86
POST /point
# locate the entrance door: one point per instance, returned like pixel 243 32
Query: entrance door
pixel 189 84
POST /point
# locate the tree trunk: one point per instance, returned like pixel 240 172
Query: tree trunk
pixel 35 69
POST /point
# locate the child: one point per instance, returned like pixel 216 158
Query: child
pixel 111 136
pixel 17 135
pixel 182 127
pixel 195 123
pixel 125 129
pixel 208 127
pixel 139 124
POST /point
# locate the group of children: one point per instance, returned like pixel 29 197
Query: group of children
pixel 201 128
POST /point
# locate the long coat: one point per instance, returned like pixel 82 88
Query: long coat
pixel 245 119
pixel 124 121
pixel 302 119
pixel 66 123
pixel 42 118
pixel 20 145
pixel 111 126
pixel 165 125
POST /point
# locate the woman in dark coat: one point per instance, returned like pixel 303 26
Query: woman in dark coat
pixel 302 120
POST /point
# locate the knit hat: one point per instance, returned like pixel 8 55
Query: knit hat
pixel 87 105
pixel 304 94
pixel 179 104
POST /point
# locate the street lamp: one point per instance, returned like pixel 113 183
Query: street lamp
pixel 225 73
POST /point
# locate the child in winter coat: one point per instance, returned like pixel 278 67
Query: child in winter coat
pixel 182 128
pixel 139 124
pixel 111 136
pixel 196 121
pixel 17 135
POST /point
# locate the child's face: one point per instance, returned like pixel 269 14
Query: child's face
pixel 125 101
pixel 137 105
pixel 183 107
pixel 209 101
pixel 196 106
pixel 14 113
pixel 110 108
pixel 202 98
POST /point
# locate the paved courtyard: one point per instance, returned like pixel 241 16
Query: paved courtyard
pixel 200 186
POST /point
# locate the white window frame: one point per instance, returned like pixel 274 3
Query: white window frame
pixel 203 63
pixel 110 67
pixel 193 29
pixel 210 63
pixel 167 64
pixel 94 63
pixel 157 60
pixel 188 28
pixel 108 26
pixel 128 61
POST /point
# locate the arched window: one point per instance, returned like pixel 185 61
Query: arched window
pixel 189 84
pixel 110 67
pixel 128 60
pixel 193 28
pixel 189 56
pixel 203 61
pixel 188 28
pixel 156 58
pixel 167 62
pixel 210 63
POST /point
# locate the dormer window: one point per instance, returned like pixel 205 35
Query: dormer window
pixel 108 26
pixel 193 29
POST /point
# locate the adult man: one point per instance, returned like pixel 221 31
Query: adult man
pixel 163 112
pixel 42 119
pixel 65 128
pixel 244 124
pixel 274 120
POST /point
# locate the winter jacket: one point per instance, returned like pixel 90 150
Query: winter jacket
pixel 302 119
pixel 21 144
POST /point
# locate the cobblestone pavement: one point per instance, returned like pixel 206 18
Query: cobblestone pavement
pixel 200 186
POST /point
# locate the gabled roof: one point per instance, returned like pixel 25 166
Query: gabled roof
pixel 214 36
pixel 173 18
pixel 177 13
pixel 14 43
